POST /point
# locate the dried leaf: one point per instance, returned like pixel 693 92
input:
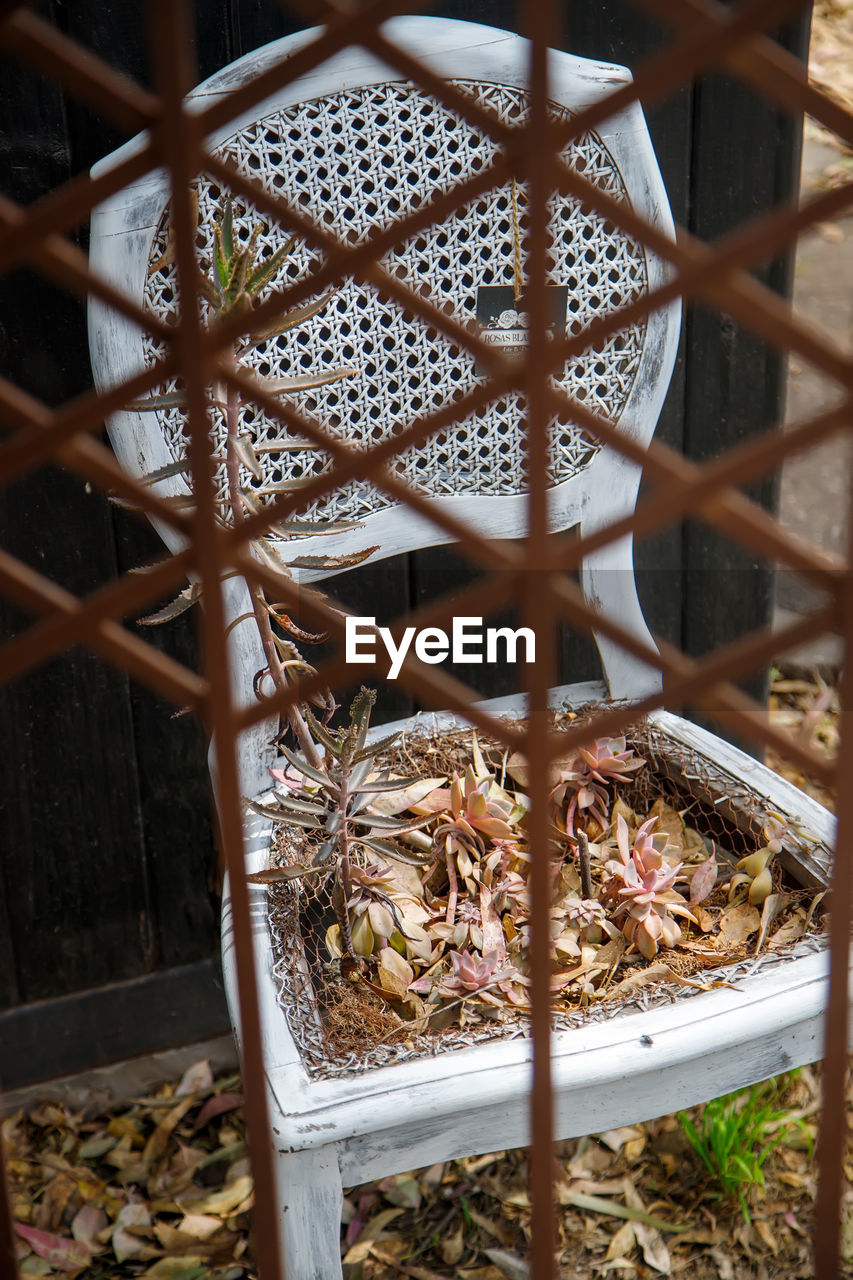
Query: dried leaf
pixel 226 1201
pixel 764 1230
pixel 395 973
pixel 196 1079
pixel 737 923
pixel 509 1264
pixel 125 1243
pixel 86 1224
pixel 595 1204
pixel 177 1269
pixel 773 904
pixel 622 1243
pixel 451 1249
pixel 156 1144
pixel 60 1252
pixel 218 1105
pixel 658 972
pixel 788 932
pixel 411 792
pixel 401 1189
pixel 702 881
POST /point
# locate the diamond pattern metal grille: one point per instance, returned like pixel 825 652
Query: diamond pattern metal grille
pixel 356 161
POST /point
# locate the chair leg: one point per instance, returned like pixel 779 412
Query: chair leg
pixel 311 1199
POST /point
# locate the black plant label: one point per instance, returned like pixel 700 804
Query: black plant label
pixel 503 318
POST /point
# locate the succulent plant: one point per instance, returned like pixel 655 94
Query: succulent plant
pixel 473 813
pixel 233 283
pixel 336 799
pixel 589 774
pixel 641 889
pixel 754 869
pixel 489 978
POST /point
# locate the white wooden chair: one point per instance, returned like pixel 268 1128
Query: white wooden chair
pixel 356 144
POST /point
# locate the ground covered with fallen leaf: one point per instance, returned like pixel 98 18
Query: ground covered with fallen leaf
pixel 160 1186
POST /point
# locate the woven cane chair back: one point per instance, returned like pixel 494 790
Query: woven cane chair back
pixel 356 148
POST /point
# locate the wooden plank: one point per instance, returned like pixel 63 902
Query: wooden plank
pixel 618 31
pixel 70 808
pixel 175 801
pixel 746 159
pixel 171 754
pixel 253 23
pixel 121 1020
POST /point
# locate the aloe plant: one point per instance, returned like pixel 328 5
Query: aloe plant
pixel 233 283
pixel 335 798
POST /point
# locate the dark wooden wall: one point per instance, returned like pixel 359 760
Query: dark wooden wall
pixel 108 877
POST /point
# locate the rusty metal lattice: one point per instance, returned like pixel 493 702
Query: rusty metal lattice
pixel 705 35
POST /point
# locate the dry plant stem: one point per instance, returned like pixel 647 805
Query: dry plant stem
pixel 346 881
pixel 453 893
pixel 586 871
pixel 262 618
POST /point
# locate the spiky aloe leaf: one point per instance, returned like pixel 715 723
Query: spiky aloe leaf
pixel 276 611
pixel 376 747
pixel 220 257
pixel 242 446
pixel 178 468
pixel 290 320
pixel 153 404
pixel 211 294
pixel 375 785
pixel 359 773
pixel 264 272
pixel 287 444
pixel 287 486
pixel 304 820
pixel 359 715
pixel 305 768
pixel 314 528
pixel 306 381
pixel 392 826
pixel 388 849
pixel 241 263
pixel 286 801
pixel 275 875
pixel 267 553
pixel 183 601
pixel 333 562
pixel 330 741
pixel 237 267
pixel 228 228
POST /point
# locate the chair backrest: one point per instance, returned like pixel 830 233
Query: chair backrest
pixel 356 146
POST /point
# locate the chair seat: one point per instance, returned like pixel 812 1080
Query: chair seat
pixel 634 1065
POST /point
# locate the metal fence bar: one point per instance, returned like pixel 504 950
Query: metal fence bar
pixel 832 1142
pixel 539 615
pixel 172 30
